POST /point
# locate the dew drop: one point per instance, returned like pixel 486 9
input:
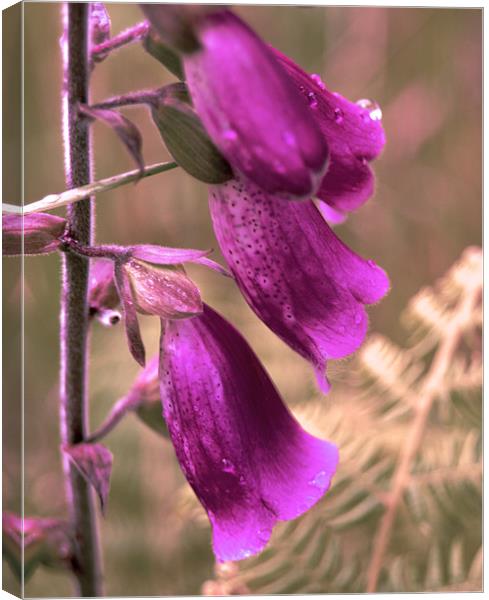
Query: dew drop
pixel 338 115
pixel 358 318
pixel 371 263
pixel 318 81
pixel 227 466
pixel 373 109
pixel 320 480
pixel 289 139
pixel 278 166
pixel 230 135
pixel 313 101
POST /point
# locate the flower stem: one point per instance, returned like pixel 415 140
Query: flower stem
pixel 132 99
pixel 82 192
pixel 433 382
pixel 74 308
pixel 109 251
pixel 128 36
pixel 117 412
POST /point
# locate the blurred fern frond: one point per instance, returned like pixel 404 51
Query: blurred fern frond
pixel 407 422
pixel 444 571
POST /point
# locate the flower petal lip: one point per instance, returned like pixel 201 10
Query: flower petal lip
pixel 354 139
pixel 246 457
pixel 305 284
pixel 252 110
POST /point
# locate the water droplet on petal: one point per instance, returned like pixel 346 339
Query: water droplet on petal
pixel 373 109
pixel 318 81
pixel 371 263
pixel 320 480
pixel 228 466
pixel 278 166
pixel 289 138
pixel 338 115
pixel 230 135
pixel 313 101
pixel 358 318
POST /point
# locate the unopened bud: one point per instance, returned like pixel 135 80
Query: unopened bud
pixel 40 232
pixel 187 140
pixel 99 24
pixel 166 292
pixel 31 541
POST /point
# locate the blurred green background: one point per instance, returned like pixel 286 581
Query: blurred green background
pixel 423 66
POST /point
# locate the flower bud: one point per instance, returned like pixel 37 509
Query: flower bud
pixel 40 232
pixel 99 23
pixel 32 541
pixel 187 140
pixel 166 292
pixel 155 47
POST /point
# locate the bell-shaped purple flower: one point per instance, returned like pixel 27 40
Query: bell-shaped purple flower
pixel 246 457
pixel 354 134
pixel 252 110
pixel 295 273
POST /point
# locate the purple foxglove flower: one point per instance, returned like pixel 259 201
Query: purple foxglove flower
pixel 293 271
pixel 252 110
pixel 245 456
pixel 354 134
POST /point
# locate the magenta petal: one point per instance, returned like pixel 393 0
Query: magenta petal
pixel 354 134
pixel 246 457
pixel 251 109
pixel 161 255
pixel 293 271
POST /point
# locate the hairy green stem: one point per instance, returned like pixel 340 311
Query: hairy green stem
pixel 74 305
